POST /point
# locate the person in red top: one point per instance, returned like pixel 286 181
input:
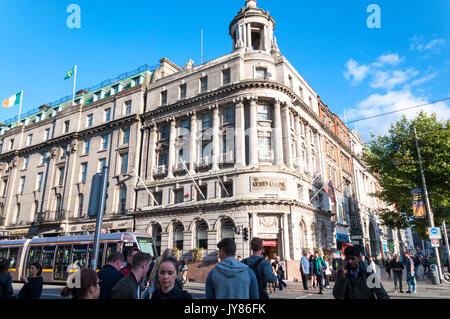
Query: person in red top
pixel 127 269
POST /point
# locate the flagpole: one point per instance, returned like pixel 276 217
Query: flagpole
pixel 74 84
pixel 20 107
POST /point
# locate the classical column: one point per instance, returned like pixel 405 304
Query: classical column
pixel 239 133
pixel 286 244
pixel 254 225
pixel 253 138
pixel 308 148
pixel 152 153
pixel 249 35
pixel 144 154
pixel 171 148
pixel 298 134
pixel 193 143
pixel 287 136
pixel 277 135
pixel 215 139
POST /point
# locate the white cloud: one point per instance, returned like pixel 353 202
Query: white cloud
pixel 390 79
pixel 356 71
pixel 391 59
pixel 434 45
pixel 391 101
pixel 423 79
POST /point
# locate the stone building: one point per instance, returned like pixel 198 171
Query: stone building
pixel 196 154
pixel 47 162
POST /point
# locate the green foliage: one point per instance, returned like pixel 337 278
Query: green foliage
pixel 197 254
pixel 393 158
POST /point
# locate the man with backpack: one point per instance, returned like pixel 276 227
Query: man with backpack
pixel 261 267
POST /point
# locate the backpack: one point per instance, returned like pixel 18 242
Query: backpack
pixel 259 278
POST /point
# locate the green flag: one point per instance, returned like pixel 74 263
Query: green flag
pixel 69 74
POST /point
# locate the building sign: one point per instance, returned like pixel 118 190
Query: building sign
pixel 105 226
pixel 4 233
pixel 19 232
pixel 434 233
pixel 435 243
pixel 342 237
pixel 267 184
pixel 418 205
pixel 385 245
pixel 269 243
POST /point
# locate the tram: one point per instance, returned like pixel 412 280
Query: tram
pixel 61 255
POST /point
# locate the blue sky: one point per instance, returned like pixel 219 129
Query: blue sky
pixel 364 71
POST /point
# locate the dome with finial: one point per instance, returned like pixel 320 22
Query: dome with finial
pixel 250 4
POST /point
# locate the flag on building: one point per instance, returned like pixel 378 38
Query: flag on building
pixel 330 191
pixel 69 74
pixel 13 100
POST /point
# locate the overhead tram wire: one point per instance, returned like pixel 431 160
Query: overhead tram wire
pixel 408 108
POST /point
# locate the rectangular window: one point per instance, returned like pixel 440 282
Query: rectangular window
pixel 226 76
pixel 183 91
pixel 47 133
pixel 83 171
pixel 204 191
pixel 39 181
pixel 105 139
pixel 101 164
pixel 25 163
pixel 263 112
pixel 126 136
pixel 204 84
pixel 128 108
pixel 261 73
pixel 301 92
pixel 229 115
pixel 137 80
pixel 107 115
pixel 163 159
pixel 43 158
pixel 206 121
pixel 87 145
pixel 115 89
pixel 30 139
pixel 98 96
pixel 11 144
pixel 227 190
pixel 164 132
pixel 22 184
pixel 89 120
pixel 61 176
pixel 66 126
pixel 163 97
pixel 179 195
pixel 158 198
pixel 264 148
pixel 291 82
pixel 48 253
pixel 124 163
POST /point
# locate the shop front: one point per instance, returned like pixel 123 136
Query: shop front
pixel 270 248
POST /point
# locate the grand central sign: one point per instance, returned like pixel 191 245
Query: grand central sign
pixel 267 184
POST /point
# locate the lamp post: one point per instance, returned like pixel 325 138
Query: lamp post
pixel 427 205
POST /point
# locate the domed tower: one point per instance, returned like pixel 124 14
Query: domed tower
pixel 252 29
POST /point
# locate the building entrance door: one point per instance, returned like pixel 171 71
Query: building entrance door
pixel 270 248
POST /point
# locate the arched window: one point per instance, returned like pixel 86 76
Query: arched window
pixel 177 236
pixel 303 236
pixel 201 235
pixel 122 199
pixel 227 229
pixel 156 234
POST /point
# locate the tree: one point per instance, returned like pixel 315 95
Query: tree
pixel 393 158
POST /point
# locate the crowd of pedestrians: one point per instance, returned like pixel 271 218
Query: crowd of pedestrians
pixel 139 276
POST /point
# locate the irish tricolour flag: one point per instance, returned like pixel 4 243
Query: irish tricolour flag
pixel 13 100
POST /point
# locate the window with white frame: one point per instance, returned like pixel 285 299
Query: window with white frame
pixel 263 112
pixel 261 73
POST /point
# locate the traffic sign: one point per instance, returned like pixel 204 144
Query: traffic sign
pixel 435 243
pixel 434 233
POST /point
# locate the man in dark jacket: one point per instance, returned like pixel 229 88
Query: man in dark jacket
pixel 352 281
pixel 6 289
pixel 110 275
pixel 129 256
pixel 261 267
pixel 129 287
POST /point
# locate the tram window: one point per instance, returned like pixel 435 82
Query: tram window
pixel 62 262
pixel 112 247
pixel 3 253
pixel 147 245
pixel 79 254
pixel 34 256
pixel 47 257
pixel 13 252
pixel 127 247
pixel 100 256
